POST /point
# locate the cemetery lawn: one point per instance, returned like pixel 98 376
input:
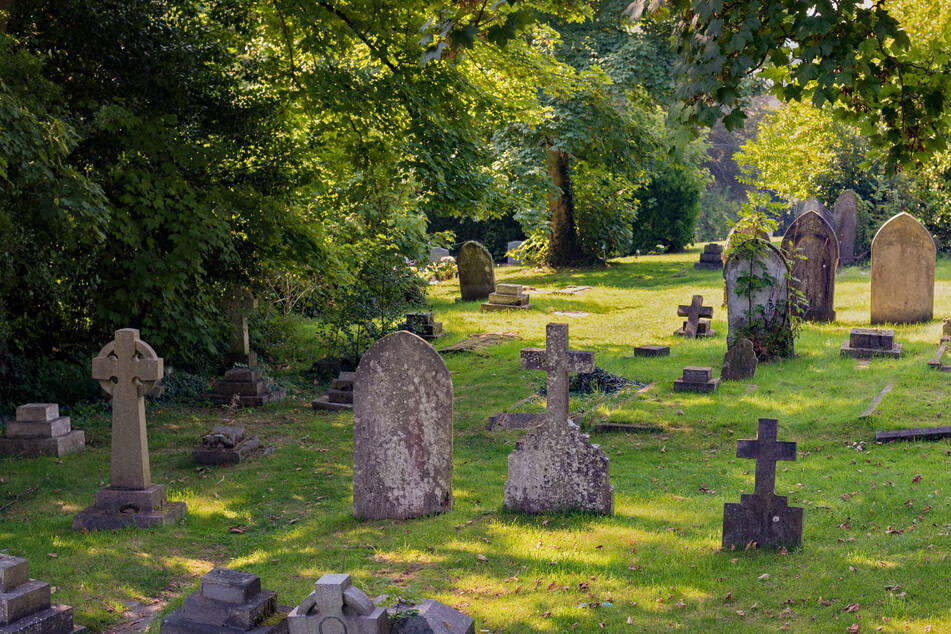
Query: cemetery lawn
pixel 877 517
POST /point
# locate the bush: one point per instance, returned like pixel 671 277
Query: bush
pixel 604 211
pixel 669 209
pixel 494 233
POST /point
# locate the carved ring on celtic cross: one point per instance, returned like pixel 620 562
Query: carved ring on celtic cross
pixel 143 351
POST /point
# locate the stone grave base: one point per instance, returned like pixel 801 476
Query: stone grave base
pixel 339 396
pixel 866 353
pixel 920 433
pixel 937 362
pixel 652 351
pixel 628 428
pixel 249 385
pixel 431 617
pixel 120 508
pixel 703 330
pixel 680 385
pixel 59 446
pixel 489 306
pixel 505 420
pixel 768 527
pixel 225 445
pixel 56 619
pixel 709 266
pixel 323 402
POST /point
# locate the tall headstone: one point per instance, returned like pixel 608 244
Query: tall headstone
pixel 903 263
pixel 513 245
pixel 127 369
pixel 25 604
pixel 476 271
pixel 556 468
pixel 39 430
pixel 238 303
pixel 812 250
pixel 402 430
pixel 812 204
pixel 768 302
pixel 844 212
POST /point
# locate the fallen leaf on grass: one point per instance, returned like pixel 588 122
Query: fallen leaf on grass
pixel 237 529
pixel 481 557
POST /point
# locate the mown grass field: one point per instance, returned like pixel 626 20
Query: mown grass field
pixel 877 517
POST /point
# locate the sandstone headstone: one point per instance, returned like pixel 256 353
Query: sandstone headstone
pixel 740 361
pixel 512 246
pixel 871 342
pixel 25 605
pixel 844 212
pixel 556 468
pixel 507 297
pixel 937 361
pixel 228 602
pixel 768 303
pixel 696 379
pixel 903 263
pixel 238 303
pixel 711 259
pixel 812 204
pixel 763 517
pixel 339 396
pixel 226 444
pixel 128 368
pixel 39 430
pixel 695 326
pixel 812 250
pixel 248 387
pixel 476 271
pixel 423 325
pixel 402 430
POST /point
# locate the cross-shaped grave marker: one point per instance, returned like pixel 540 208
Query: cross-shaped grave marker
pixel 694 312
pixel 766 451
pixel 558 361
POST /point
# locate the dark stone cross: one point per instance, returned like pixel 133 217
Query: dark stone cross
pixel 558 361
pixel 693 313
pixel 766 451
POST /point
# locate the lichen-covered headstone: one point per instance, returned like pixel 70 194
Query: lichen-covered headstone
pixel 476 271
pixel 740 361
pixel 768 303
pixel 556 468
pixel 812 250
pixel 844 212
pixel 903 263
pixel 402 430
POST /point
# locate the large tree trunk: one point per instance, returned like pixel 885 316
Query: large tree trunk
pixel 563 249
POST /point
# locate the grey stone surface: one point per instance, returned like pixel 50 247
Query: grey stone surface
pixel 514 420
pixel 813 205
pixel 37 412
pixel 740 361
pixel 864 343
pixel 402 430
pixel 511 246
pixel 14 571
pixel 25 606
pixel 812 250
pixel 226 444
pixel 556 468
pixel 506 297
pixel 774 298
pixel 763 517
pixel 696 379
pixel 711 259
pixel 903 263
pixel 919 433
pixel 247 386
pixel 337 607
pixel 340 395
pixel 698 316
pixel 844 213
pixel 238 303
pixel 652 351
pixel 476 271
pixel 39 430
pixel 432 617
pixel 437 253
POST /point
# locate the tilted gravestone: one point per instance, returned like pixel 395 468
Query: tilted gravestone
pixel 763 517
pixel 903 263
pixel 812 250
pixel 698 319
pixel 476 271
pixel 238 303
pixel 402 430
pixel 25 604
pixel 39 430
pixel 844 212
pixel 740 361
pixel 128 368
pixel 768 302
pixel 556 468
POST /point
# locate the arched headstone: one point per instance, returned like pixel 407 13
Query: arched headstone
pixel 769 302
pixel 844 213
pixel 402 430
pixel 813 204
pixel 762 235
pixel 476 271
pixel 903 261
pixel 812 250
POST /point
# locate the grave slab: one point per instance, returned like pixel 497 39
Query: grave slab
pixel 696 379
pixel 507 297
pixel 247 387
pixel 865 343
pixel 423 325
pixel 39 430
pixel 652 351
pixel 225 445
pixel 340 395
pixel 711 259
pixel 919 433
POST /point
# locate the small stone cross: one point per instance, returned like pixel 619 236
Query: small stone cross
pixel 238 302
pixel 693 313
pixel 557 360
pixel 127 368
pixel 766 451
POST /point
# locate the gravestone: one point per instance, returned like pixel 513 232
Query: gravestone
pixel 652 351
pixel 476 271
pixel 508 297
pixel 127 369
pixel 555 467
pixel 844 213
pixel 247 387
pixel 903 262
pixel 226 444
pixel 695 326
pixel 437 253
pixel 696 379
pixel 423 325
pixel 740 361
pixel 339 396
pixel 773 297
pixel 864 343
pixel 39 430
pixel 812 250
pixel 812 204
pixel 239 302
pixel 762 235
pixel 946 328
pixel 25 604
pixel 228 602
pixel 402 430
pixel 763 517
pixel 512 246
pixel 711 259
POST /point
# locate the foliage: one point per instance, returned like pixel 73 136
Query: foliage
pixel 718 212
pixel 669 208
pixel 494 232
pixel 604 211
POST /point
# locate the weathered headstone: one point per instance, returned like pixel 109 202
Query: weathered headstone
pixel 25 604
pixel 507 297
pixel 711 259
pixel 812 204
pixel 946 328
pixel 844 212
pixel 767 303
pixel 743 230
pixel 476 271
pixel 864 343
pixel 402 430
pixel 696 379
pixel 238 303
pixel 513 246
pixel 226 444
pixel 763 517
pixel 652 351
pixel 228 602
pixel 903 262
pixel 556 468
pixel 248 387
pixel 39 430
pixel 437 253
pixel 339 396
pixel 423 325
pixel 740 361
pixel 127 368
pixel 812 250
pixel 695 326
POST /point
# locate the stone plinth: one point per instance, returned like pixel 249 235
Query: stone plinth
pixel 337 606
pixel 25 605
pixel 864 343
pixel 740 361
pixel 508 297
pixel 652 351
pixel 226 444
pixel 696 379
pixel 339 396
pixel 476 271
pixel 812 249
pixel 39 430
pixel 698 316
pixel 711 259
pixel 248 385
pixel 903 264
pixel 422 325
pixel 228 602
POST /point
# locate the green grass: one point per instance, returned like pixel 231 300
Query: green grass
pixel 655 565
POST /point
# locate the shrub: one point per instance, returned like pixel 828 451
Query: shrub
pixel 669 209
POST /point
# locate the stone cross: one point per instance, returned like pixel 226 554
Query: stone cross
pixel 238 302
pixel 557 360
pixel 693 313
pixel 127 369
pixel 766 451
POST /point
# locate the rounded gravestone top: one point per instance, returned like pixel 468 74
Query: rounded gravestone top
pixel 476 271
pixel 810 224
pixel 903 272
pixel 813 204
